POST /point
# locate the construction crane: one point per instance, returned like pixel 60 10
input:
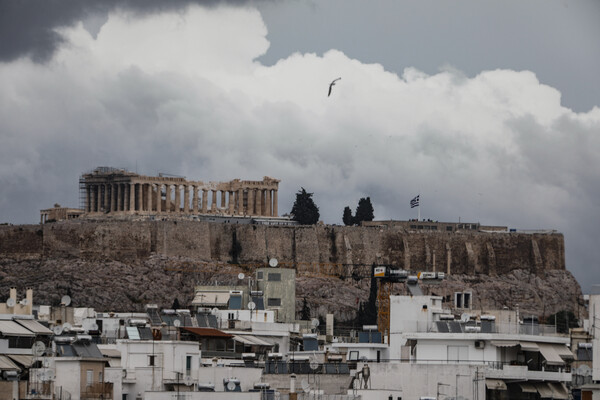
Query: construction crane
pixel 386 277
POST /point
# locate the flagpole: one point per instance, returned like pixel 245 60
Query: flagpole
pixel 419 210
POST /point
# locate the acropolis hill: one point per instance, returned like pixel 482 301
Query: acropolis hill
pixel 140 239
pixel 124 264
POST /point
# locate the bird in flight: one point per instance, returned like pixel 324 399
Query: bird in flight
pixel 331 86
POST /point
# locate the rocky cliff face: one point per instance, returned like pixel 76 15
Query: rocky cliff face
pixel 122 265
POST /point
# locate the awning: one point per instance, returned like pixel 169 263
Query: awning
pixel 11 328
pixel 112 353
pixel 7 365
pixel 504 343
pixel 251 340
pixel 495 384
pixel 211 299
pixel 528 387
pixel 544 390
pixel 550 354
pixel 24 360
pixel 529 346
pixel 34 326
pixel 563 351
pixel 559 389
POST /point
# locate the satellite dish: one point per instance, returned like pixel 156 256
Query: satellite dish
pixel 231 386
pixel 38 349
pixel 177 323
pixel 314 365
pixel 251 306
pixel 24 302
pixel 58 330
pixel 315 322
pixel 273 262
pixel 214 311
pixel 241 275
pixel 67 326
pixel 188 380
pixel 305 386
pixel 11 302
pixel 65 300
pixel 465 317
pixel 94 327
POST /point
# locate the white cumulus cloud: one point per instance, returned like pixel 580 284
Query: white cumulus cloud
pixel 183 93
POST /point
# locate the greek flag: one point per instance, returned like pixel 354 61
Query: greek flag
pixel 415 202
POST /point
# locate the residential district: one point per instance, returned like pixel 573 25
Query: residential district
pixel 247 341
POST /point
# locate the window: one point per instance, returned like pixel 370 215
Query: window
pixel 274 302
pixel 259 275
pixel 353 356
pixel 462 300
pixel 152 360
pixel 188 365
pixel 89 379
pixel 449 228
pixel 275 277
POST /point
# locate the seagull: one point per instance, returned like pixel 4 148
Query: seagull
pixel 331 86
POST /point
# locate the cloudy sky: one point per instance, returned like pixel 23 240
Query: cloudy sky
pixel 488 110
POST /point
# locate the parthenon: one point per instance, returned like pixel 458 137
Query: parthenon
pixel 114 191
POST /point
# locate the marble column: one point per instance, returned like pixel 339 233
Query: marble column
pixel 125 196
pixel 138 196
pixel 204 201
pixel 88 198
pixel 240 197
pixel 231 202
pixel 213 206
pixel 106 198
pixel 259 202
pixel 250 210
pixel 93 197
pixel 177 198
pixel 186 199
pixel 113 197
pixel 195 200
pixel 168 198
pixel 159 198
pixel 268 202
pixel 149 197
pixel 131 197
pixel 99 198
pixel 275 211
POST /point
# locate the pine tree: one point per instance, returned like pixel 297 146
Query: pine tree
pixel 364 211
pixel 305 311
pixel 347 218
pixel 305 210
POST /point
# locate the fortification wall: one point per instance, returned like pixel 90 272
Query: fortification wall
pixel 460 253
pixel 122 265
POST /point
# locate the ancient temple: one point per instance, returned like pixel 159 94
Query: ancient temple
pixel 116 191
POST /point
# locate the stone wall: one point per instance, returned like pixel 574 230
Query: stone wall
pixel 464 253
pixel 121 265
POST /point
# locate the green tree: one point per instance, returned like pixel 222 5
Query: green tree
pixel 305 210
pixel 347 218
pixel 305 311
pixel 367 312
pixel 364 211
pixel 564 320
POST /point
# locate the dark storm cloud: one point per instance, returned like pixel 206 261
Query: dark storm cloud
pixel 27 27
